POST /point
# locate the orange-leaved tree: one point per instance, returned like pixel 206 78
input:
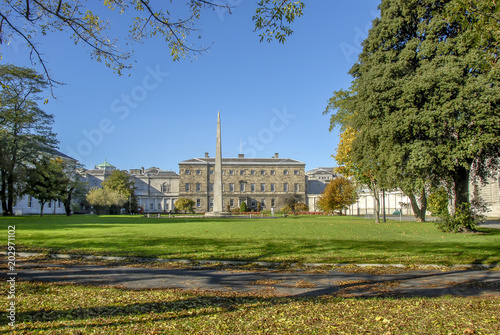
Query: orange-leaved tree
pixel 338 195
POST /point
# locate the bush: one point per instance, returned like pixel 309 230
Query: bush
pixel 465 219
pixel 243 207
pixel 437 202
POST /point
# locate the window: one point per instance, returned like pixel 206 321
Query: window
pixel 252 172
pixel 59 204
pixel 262 172
pixel 186 187
pixel 231 187
pixel 198 202
pixel 211 187
pixel 151 205
pixel 296 172
pixel 273 203
pixel 285 187
pixel 231 172
pixel 187 172
pixel 231 202
pixel 159 206
pixel 30 201
pixel 242 187
pixel 211 202
pixel 252 187
pixel 273 187
pixel 297 187
pixel 166 206
pixel 212 171
pixel 273 172
pixel 285 172
pixel 49 204
pixel 198 187
pixel 242 172
pixel 263 202
pixel 254 203
pixel 198 172
pixel 263 187
pixel 165 188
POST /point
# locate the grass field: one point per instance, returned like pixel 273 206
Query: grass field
pixel 303 239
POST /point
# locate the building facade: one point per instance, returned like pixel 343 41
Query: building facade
pixel 262 183
pixel 28 205
pixel 317 179
pixel 156 189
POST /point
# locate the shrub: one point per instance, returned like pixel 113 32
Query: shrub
pixel 465 219
pixel 437 202
pixel 243 207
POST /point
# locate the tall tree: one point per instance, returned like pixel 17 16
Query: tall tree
pixel 47 181
pixel 25 130
pixel 168 20
pixel 338 195
pixel 103 199
pixel 422 100
pixel 120 181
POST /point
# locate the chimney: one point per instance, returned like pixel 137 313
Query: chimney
pixel 276 155
pixel 142 169
pixel 206 155
pixel 241 155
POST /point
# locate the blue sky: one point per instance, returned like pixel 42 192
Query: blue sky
pixel 271 96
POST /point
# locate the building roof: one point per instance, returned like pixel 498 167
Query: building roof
pixel 105 164
pixel 56 152
pixel 243 161
pixel 321 170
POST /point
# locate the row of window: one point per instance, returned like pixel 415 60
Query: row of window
pixel 232 203
pixel 243 172
pixel 49 204
pixel 253 187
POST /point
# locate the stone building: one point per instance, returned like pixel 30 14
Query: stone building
pixel 156 189
pixel 259 182
pixel 317 179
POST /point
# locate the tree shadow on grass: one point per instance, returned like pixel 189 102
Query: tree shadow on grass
pixel 285 250
pixel 205 303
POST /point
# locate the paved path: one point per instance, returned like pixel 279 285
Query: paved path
pixel 292 283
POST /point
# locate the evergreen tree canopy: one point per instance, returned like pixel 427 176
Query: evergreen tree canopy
pixel 425 107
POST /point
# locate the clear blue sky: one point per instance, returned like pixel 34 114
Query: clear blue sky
pixel 271 96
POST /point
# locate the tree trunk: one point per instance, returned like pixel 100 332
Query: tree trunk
pixel 67 202
pixel 373 187
pixel 41 208
pixel 460 187
pixel 418 210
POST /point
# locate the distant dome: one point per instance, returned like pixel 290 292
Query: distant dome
pixel 105 166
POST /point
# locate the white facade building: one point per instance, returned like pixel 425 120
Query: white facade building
pixel 28 205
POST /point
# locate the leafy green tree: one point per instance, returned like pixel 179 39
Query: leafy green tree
pixel 338 195
pixel 121 182
pixel 243 207
pixel 103 199
pixel 47 181
pixel 438 202
pixel 292 203
pixel 184 204
pixel 423 104
pixel 25 130
pixel 28 19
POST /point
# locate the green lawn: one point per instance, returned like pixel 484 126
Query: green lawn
pixel 307 239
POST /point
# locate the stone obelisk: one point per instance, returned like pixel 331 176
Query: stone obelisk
pixel 218 202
